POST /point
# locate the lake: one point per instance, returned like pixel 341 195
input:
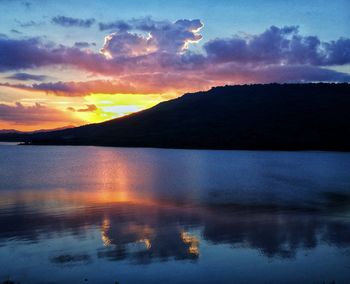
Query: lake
pixel 137 215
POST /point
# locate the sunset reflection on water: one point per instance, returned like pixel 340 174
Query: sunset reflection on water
pixel 146 215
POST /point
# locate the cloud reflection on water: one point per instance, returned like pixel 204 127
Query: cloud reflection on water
pixel 150 230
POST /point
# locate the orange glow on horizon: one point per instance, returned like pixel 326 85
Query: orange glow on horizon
pixel 73 111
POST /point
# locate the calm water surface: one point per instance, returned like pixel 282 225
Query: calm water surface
pixel 101 215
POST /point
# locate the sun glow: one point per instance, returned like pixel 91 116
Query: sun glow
pixel 113 106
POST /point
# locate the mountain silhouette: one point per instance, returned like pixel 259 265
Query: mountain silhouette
pixel 271 116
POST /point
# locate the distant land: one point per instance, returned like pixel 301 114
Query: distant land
pixel 35 131
pixel 264 117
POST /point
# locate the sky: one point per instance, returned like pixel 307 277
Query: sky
pixel 65 63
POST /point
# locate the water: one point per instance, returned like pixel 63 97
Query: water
pixel 101 215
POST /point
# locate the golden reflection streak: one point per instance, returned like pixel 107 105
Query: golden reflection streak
pixel 112 181
pixel 67 197
pixel 192 241
pixel 106 224
pixel 146 242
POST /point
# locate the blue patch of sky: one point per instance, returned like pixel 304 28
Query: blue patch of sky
pixel 222 18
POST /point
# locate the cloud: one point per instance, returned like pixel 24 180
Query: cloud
pixel 163 36
pixel 174 37
pixel 118 25
pixel 72 22
pixel 35 114
pixel 154 57
pixel 15 31
pixel 16 54
pixel 81 44
pixel 79 89
pixel 154 83
pixel 127 44
pixel 88 108
pixel 338 52
pixel 85 88
pixel 24 53
pixel 26 77
pixel 233 73
pixel 28 24
pixel 27 4
pixel 279 46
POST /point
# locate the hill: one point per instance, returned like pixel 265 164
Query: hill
pixel 273 116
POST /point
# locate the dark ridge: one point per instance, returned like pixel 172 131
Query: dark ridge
pixel 265 117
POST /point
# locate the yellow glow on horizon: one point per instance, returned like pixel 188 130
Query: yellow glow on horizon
pixel 74 109
pixel 117 105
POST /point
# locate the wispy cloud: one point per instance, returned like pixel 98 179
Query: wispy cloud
pixel 27 77
pixel 28 23
pixel 72 22
pixel 81 44
pixel 27 4
pixel 15 31
pixel 88 108
pixel 117 25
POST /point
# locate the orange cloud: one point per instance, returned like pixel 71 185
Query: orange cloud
pixel 146 83
pixel 19 116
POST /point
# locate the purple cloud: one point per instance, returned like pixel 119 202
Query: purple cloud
pixel 163 37
pixel 279 46
pixel 17 54
pixel 153 55
pixel 127 44
pixel 35 114
pixel 72 22
pixel 81 44
pixel 118 25
pixel 24 53
pixel 26 77
pixel 338 52
pixel 234 73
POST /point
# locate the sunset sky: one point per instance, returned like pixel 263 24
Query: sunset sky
pixel 77 62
